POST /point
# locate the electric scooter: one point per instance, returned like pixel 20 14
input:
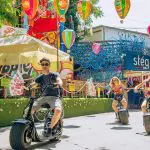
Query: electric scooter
pixel 24 131
pixel 122 115
pixel 146 118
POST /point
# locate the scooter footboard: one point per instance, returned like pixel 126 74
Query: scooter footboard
pixel 25 123
pixel 21 121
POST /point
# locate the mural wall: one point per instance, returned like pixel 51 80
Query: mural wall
pixel 14 77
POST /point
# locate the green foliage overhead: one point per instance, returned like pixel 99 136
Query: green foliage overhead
pixel 8 13
pixel 72 11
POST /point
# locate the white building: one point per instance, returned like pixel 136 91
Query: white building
pixel 106 33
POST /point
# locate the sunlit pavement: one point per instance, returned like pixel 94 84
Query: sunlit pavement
pixel 94 132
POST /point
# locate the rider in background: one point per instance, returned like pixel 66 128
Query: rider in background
pixel 146 85
pixel 50 84
pixel 118 88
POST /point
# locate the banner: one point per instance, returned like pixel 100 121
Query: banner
pixel 136 62
pixel 45 25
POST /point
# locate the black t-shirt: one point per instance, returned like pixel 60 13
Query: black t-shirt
pixel 46 83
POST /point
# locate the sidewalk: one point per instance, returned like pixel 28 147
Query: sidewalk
pixel 4 138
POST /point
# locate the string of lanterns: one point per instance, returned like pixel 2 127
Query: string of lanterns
pixel 84 9
pixel 122 8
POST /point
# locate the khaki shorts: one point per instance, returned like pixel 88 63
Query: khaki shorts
pixel 51 100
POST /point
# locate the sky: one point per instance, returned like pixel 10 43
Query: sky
pixel 138 18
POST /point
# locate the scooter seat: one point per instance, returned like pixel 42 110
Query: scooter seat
pixel 45 106
pixel 122 110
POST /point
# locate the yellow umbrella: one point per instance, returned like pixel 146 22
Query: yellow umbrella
pixel 23 49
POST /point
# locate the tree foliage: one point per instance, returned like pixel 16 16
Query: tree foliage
pixel 72 11
pixel 8 13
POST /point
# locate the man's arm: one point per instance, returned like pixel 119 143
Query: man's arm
pixel 124 88
pixel 59 81
pixel 141 84
pixel 34 84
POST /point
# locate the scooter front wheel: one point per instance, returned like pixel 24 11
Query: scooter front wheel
pixel 123 116
pixel 20 136
pixel 146 119
pixel 59 129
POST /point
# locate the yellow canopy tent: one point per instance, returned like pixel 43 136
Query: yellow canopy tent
pixel 141 74
pixel 16 47
pixel 135 73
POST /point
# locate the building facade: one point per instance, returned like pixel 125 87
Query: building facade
pixel 106 33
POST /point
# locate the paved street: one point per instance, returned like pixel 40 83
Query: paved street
pixel 94 132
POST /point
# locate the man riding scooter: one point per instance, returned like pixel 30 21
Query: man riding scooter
pixel 146 84
pixel 50 84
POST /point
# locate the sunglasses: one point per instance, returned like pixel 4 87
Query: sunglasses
pixel 46 64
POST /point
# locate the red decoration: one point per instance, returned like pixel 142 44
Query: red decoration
pixel 45 25
pixel 26 5
pixel 96 48
pixel 30 7
pixel 148 29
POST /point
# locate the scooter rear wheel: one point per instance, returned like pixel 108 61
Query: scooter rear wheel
pixel 123 117
pixel 146 119
pixel 59 129
pixel 20 136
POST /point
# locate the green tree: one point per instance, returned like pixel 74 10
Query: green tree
pixel 8 12
pixel 72 11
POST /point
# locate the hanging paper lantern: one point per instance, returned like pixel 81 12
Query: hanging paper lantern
pixel 30 7
pixel 50 7
pixel 50 4
pixel 61 6
pixel 51 37
pixel 62 19
pixel 84 8
pixel 96 48
pixel 122 8
pixel 68 37
pixel 26 5
pixel 148 30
